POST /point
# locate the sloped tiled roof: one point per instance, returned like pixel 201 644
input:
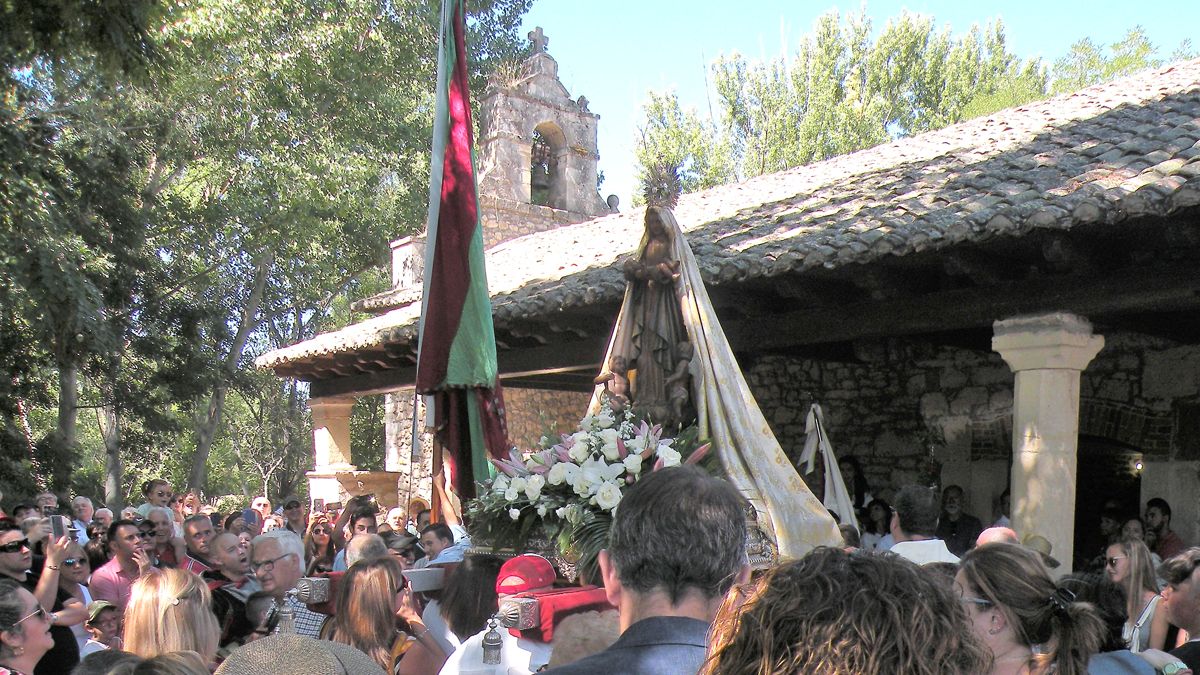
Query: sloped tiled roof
pixel 1107 154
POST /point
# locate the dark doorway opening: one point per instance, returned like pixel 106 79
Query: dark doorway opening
pixel 1108 476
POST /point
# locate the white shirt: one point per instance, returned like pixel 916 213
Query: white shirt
pixel 518 656
pixel 925 551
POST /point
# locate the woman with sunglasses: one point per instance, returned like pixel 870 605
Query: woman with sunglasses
pixel 24 630
pixel 1032 625
pixel 1128 565
pixel 73 575
pixel 318 546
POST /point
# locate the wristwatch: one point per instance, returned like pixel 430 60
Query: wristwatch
pixel 1173 668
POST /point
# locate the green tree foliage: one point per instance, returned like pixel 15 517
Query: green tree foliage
pixel 681 138
pixel 173 206
pixel 843 90
pixel 1088 63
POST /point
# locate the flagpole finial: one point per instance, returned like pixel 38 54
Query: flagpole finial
pixel 539 40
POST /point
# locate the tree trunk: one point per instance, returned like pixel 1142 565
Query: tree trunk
pixel 110 429
pixel 210 423
pixel 68 404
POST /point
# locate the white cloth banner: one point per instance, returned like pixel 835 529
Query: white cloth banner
pixel 837 498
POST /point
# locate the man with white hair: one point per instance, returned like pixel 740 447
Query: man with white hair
pixel 104 517
pixel 82 508
pixel 365 547
pixel 277 560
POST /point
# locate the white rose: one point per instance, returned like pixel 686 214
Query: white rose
pixel 561 512
pixel 500 484
pixel 670 456
pixel 511 494
pixel 581 449
pixel 605 419
pixel 608 496
pixel 635 445
pixel 633 464
pixel 517 483
pixel 533 486
pixel 515 514
pixel 609 437
pixel 557 473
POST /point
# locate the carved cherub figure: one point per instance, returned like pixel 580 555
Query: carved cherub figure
pixel 616 381
pixel 678 391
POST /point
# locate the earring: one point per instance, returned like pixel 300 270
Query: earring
pixel 18 650
pixel 993 631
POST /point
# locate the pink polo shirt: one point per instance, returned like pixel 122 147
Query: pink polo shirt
pixel 109 582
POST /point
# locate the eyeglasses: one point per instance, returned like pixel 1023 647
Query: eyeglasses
pixel 1112 560
pixel 14 546
pixel 40 613
pixel 71 562
pixel 291 505
pixel 321 530
pixel 267 565
pixel 146 534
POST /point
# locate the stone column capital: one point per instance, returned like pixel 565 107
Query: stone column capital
pixel 339 406
pixel 1055 341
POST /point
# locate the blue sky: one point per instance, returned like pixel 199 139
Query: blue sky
pixel 615 51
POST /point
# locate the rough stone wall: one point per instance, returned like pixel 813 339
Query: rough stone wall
pixel 504 219
pixel 900 402
pixel 532 413
pixel 902 397
pixel 415 478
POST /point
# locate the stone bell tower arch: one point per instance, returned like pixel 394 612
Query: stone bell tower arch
pixel 537 152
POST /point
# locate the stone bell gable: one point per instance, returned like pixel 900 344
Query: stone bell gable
pixel 537 152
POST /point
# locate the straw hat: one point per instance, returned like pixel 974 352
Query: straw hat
pixel 1042 546
pixel 298 655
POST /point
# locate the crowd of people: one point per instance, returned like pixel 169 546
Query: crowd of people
pixel 175 587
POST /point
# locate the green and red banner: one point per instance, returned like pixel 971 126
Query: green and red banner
pixel 457 350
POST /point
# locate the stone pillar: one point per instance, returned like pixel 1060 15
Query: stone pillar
pixel 331 447
pixel 1047 353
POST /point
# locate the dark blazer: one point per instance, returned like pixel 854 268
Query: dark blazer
pixel 661 644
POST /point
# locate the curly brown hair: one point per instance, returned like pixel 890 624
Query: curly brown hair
pixel 832 613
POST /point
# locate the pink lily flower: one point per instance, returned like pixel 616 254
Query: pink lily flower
pixel 698 454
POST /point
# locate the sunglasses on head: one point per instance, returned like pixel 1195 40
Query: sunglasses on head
pixel 15 546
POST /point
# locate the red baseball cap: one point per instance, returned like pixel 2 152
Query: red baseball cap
pixel 524 573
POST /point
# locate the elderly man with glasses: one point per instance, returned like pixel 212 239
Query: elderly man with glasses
pixel 277 561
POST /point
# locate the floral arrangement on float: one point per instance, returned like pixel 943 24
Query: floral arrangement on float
pixel 565 492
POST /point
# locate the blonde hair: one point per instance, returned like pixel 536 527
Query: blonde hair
pixel 1141 576
pixel 365 617
pixel 171 611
